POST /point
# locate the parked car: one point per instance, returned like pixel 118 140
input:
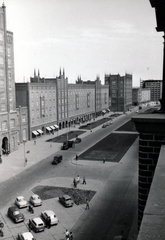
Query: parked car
pixel 68 144
pixel 26 236
pixel 21 202
pixel 57 159
pixel 36 224
pixel 104 125
pixel 35 200
pixel 66 200
pixel 45 215
pixel 78 140
pixel 14 214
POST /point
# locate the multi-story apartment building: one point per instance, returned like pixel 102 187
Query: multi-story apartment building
pixel 155 87
pixel 140 95
pixel 101 93
pixel 120 91
pixel 136 96
pixel 52 103
pixel 145 95
pixel 8 113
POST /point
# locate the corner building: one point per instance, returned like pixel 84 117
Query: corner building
pixel 8 113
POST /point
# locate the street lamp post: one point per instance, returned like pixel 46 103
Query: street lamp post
pixel 159 6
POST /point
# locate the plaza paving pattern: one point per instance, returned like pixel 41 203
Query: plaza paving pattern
pixel 112 148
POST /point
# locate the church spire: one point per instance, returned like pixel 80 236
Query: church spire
pixel 34 72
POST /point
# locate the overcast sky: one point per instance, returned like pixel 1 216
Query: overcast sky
pixel 85 37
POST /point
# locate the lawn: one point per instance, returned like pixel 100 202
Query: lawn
pixel 112 148
pixel 62 138
pixel 79 196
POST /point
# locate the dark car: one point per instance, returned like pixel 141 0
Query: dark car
pixel 68 144
pixel 66 200
pixel 104 125
pixel 57 159
pixel 78 140
pixel 15 214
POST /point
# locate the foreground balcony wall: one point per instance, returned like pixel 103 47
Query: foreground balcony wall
pixel 151 128
pixel 152 226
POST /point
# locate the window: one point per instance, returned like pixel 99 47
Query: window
pixel 4 125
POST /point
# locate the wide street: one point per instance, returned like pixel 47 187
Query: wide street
pixel 118 197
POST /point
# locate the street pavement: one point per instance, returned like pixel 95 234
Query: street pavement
pixel 14 163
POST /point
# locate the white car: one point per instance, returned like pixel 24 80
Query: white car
pixel 36 224
pixel 35 200
pixel 49 213
pixel 26 236
pixel 21 202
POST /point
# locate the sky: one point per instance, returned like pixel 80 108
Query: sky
pixel 86 38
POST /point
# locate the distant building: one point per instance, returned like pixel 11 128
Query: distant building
pixel 53 103
pixel 101 94
pixel 120 91
pixel 155 87
pixel 145 95
pixel 140 95
pixel 136 96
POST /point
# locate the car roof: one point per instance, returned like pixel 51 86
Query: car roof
pixel 13 208
pixel 49 212
pixel 37 220
pixel 20 197
pixel 27 235
pixel 34 195
pixel 58 155
pixel 66 196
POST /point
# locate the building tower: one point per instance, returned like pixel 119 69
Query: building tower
pixel 8 115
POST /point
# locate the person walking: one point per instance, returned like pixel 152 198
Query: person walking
pixel 67 234
pixel 71 236
pixel 26 161
pixel 78 179
pixel 74 182
pixel 87 204
pixel 49 222
pixel 84 180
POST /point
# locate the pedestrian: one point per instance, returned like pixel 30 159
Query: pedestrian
pixel 84 180
pixel 67 234
pixel 74 183
pixel 34 142
pixel 0 159
pixel 76 157
pixel 87 204
pixel 103 160
pixel 78 179
pixel 26 161
pixel 71 236
pixel 49 222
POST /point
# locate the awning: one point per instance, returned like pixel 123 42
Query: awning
pixel 40 131
pixel 56 126
pixel 103 111
pixel 52 127
pixel 49 129
pixel 35 133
